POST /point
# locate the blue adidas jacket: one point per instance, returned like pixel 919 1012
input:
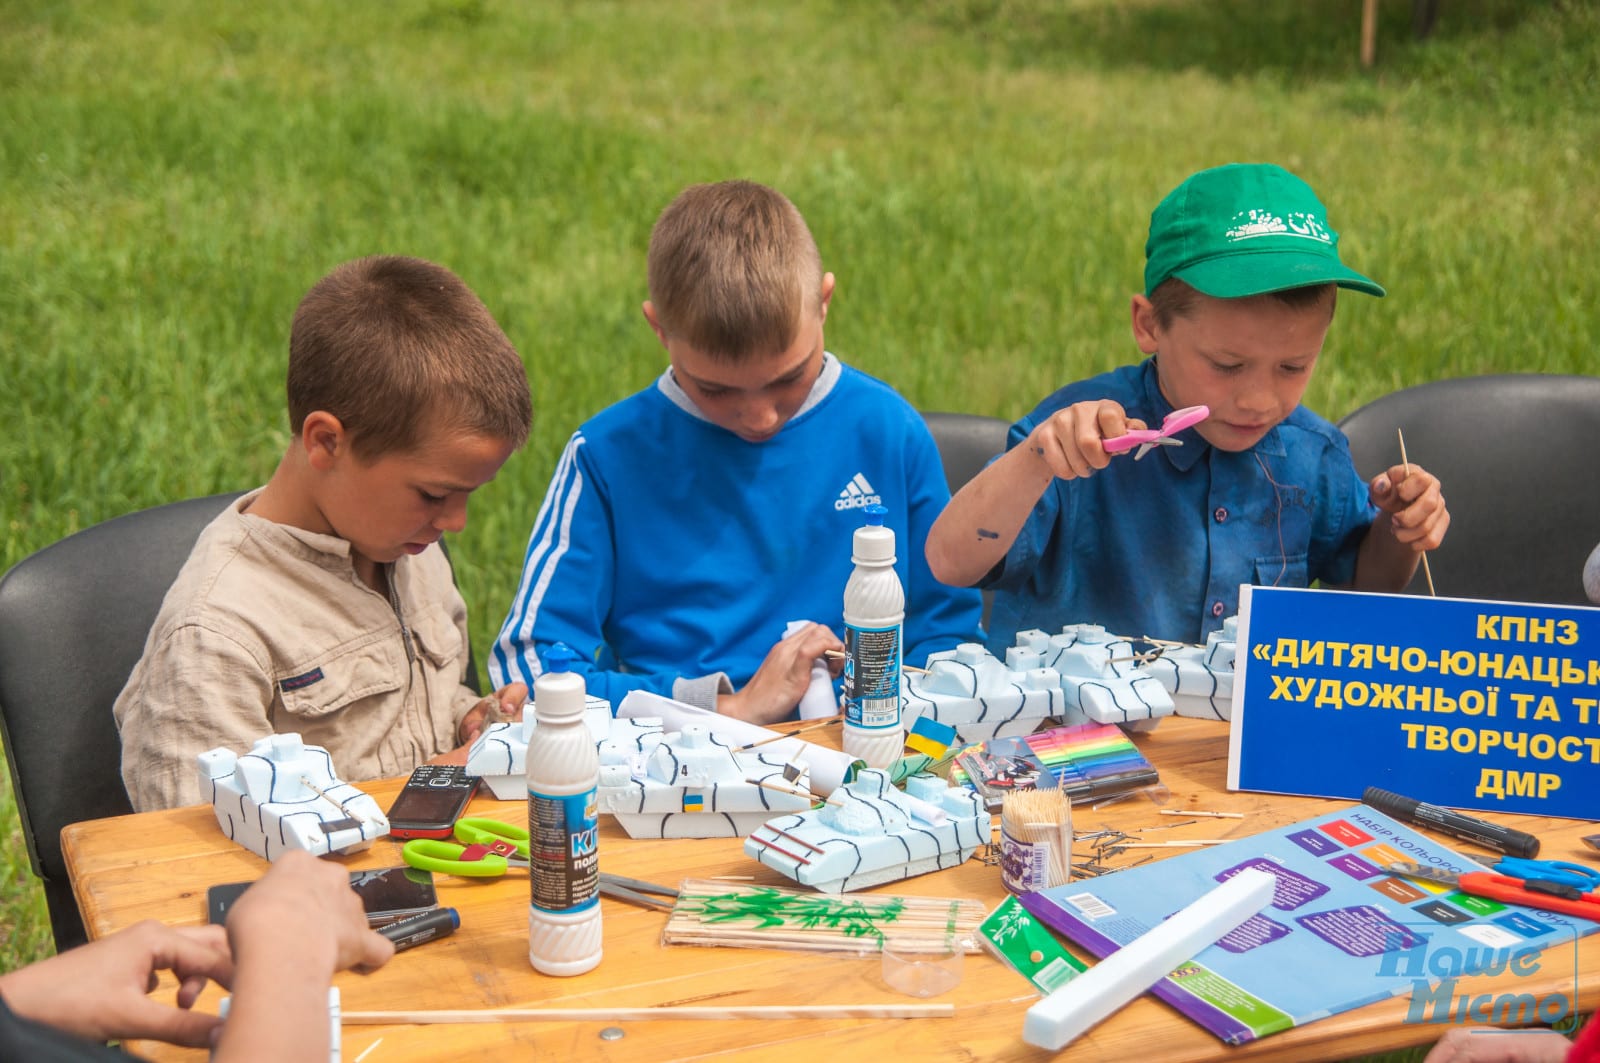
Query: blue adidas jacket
pixel 668 548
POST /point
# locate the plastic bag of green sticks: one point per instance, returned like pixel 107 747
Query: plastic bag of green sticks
pixel 745 915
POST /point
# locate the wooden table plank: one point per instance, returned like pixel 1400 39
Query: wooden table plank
pixel 158 866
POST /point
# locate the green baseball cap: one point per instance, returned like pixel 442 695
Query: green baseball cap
pixel 1245 229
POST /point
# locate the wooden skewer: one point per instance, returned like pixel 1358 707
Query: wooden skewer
pixel 1199 812
pixel 818 725
pixel 796 1011
pixel 1191 843
pixel 797 840
pixel 320 792
pixel 791 793
pixel 1427 572
pixel 1140 658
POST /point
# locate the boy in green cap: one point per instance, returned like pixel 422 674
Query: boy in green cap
pixel 1241 275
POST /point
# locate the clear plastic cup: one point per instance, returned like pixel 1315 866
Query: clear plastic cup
pixel 922 965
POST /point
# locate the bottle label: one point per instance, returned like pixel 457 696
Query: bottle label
pixel 872 676
pixel 564 851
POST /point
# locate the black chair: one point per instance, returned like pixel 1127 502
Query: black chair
pixel 73 621
pixel 966 442
pixel 1515 456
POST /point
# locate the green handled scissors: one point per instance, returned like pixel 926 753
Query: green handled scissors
pixel 488 849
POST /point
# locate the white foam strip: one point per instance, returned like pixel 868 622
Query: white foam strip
pixel 827 766
pixel 926 811
pixel 1070 1011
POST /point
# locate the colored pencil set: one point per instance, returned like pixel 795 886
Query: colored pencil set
pixel 1087 761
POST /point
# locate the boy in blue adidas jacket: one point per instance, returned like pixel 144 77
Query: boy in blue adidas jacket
pixel 687 525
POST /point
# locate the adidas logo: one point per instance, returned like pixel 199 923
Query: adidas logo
pixel 857 493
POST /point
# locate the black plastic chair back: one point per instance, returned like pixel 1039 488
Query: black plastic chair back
pixel 966 441
pixel 73 621
pixel 1515 455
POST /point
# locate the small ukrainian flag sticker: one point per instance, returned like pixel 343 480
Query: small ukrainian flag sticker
pixel 930 737
pixel 693 801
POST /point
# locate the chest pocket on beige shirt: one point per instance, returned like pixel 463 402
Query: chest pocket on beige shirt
pixel 360 671
pixel 437 639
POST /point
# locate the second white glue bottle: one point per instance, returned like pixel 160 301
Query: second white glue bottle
pixel 874 609
pixel 563 824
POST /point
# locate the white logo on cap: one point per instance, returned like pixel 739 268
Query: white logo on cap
pixel 1249 224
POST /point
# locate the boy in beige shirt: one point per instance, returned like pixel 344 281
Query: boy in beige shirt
pixel 322 603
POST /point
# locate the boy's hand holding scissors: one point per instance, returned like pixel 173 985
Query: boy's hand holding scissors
pixel 1083 437
pixel 1071 442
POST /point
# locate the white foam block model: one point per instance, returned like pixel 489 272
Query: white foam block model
pixel 1099 676
pixel 1200 678
pixel 968 688
pixel 692 783
pixel 871 833
pixel 828 766
pixel 1064 1015
pixel 1078 675
pixel 500 751
pixel 267 799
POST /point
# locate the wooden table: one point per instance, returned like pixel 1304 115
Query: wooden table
pixel 158 865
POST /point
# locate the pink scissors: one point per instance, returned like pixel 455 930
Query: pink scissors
pixel 1145 438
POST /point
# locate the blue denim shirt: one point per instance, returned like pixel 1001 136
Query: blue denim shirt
pixel 1160 546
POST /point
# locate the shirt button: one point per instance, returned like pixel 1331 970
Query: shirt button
pixel 1216 608
pixel 1221 514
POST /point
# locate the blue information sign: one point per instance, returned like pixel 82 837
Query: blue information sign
pixel 1468 704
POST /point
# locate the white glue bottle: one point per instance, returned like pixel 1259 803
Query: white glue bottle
pixel 564 837
pixel 874 608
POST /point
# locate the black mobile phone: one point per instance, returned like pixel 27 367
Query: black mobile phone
pixel 391 893
pixel 220 898
pixel 387 894
pixel 431 801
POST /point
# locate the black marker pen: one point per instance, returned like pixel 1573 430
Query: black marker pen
pixel 1087 789
pixel 1456 824
pixel 417 930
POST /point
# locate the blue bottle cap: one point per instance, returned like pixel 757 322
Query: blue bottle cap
pixel 559 658
pixel 875 514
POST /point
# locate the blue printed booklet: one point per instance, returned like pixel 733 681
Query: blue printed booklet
pixel 1340 931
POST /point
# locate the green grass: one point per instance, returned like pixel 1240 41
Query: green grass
pixel 978 173
pixel 23 918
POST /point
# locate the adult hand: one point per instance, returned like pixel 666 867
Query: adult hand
pixel 1410 495
pixel 99 990
pixel 1476 1044
pixel 308 903
pixel 1071 442
pixel 779 683
pixel 290 932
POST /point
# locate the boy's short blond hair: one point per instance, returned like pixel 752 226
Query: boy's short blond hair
pixel 399 347
pixel 732 269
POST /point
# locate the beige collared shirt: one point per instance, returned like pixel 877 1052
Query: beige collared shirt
pixel 268 629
